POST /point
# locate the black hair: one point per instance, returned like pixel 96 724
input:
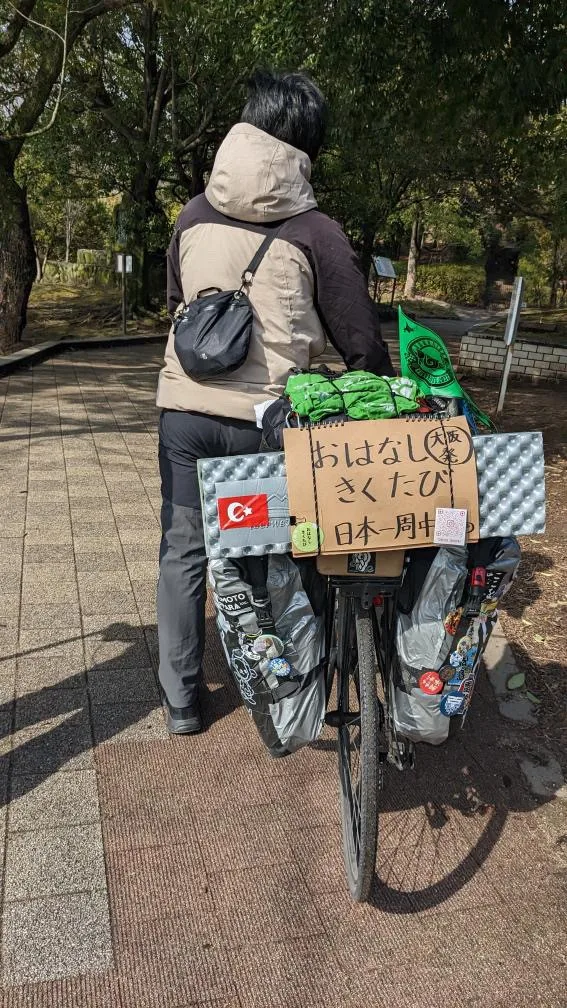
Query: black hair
pixel 288 106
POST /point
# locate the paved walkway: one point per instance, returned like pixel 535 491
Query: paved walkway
pixel 142 871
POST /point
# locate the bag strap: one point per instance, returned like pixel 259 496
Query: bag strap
pixel 250 270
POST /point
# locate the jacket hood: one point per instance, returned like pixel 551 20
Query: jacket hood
pixel 258 178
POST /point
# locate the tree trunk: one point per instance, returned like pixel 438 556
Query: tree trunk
pixel 367 247
pixel 197 174
pixel 68 228
pixel 413 259
pixel 554 274
pixel 137 211
pixel 17 256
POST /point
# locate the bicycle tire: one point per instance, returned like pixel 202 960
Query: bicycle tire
pixel 358 730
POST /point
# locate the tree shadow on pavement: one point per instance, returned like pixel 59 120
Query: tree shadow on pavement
pixel 525 590
pixel 452 812
pixel 57 727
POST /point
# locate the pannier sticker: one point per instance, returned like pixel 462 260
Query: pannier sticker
pixel 361 563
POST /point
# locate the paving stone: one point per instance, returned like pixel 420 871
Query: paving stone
pixel 43 536
pixel 293 794
pixel 11 549
pixel 117 627
pixel 146 822
pixel 252 837
pixel 10 578
pixel 11 528
pixel 96 515
pixel 253 903
pixel 146 552
pixel 96 529
pixel 54 861
pixel 144 571
pixel 147 610
pixel 9 605
pixel 7 683
pixel 145 591
pixel 114 683
pixel 59 615
pixel 50 709
pixel 110 560
pixel 185 969
pixel 96 544
pixel 126 722
pixel 57 936
pixel 291 974
pixel 65 747
pixel 43 673
pixel 127 650
pixel 148 535
pixel 62 799
pixel 90 492
pixel 137 884
pixel 64 643
pixel 35 591
pixel 96 597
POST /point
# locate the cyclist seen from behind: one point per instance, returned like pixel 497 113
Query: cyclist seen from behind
pixel 308 288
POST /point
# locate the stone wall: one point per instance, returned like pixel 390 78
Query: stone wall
pixel 484 355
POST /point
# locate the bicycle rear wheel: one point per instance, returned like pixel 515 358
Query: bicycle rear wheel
pixel 358 724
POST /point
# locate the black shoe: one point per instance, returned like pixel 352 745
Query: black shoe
pixel 183 720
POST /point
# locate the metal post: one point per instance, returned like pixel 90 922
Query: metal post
pixel 509 337
pixel 123 272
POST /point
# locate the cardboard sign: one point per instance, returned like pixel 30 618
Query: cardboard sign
pixel 376 484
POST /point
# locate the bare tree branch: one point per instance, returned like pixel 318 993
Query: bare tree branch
pixel 51 70
pixel 64 41
pixel 12 32
pixel 195 137
pixel 158 103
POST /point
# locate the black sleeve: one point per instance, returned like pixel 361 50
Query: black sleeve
pixel 174 290
pixel 347 312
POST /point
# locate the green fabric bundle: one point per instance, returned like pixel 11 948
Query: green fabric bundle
pixel 359 394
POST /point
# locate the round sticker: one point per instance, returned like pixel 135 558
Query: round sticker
pixel 470 656
pixel 307 537
pixel 446 673
pixel 456 679
pixel 452 620
pixel 279 666
pixel 268 646
pixel 452 704
pixel 430 682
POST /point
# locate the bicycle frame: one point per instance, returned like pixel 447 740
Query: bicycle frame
pixel 375 594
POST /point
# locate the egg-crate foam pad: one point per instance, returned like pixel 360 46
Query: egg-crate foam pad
pixel 511 491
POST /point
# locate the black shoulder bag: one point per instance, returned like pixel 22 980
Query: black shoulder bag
pixel 212 334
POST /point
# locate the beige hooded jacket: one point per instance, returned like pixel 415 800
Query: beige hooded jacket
pixel 307 287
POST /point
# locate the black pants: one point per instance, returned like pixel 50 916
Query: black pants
pixel 185 437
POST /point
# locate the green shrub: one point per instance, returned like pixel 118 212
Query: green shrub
pixel 79 274
pixel 452 282
pixel 535 271
pixel 92 257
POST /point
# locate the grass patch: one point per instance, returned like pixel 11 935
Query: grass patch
pixel 57 312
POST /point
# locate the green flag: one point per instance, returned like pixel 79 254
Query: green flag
pixel 425 358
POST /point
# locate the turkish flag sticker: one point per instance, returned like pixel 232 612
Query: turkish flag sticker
pixel 243 512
